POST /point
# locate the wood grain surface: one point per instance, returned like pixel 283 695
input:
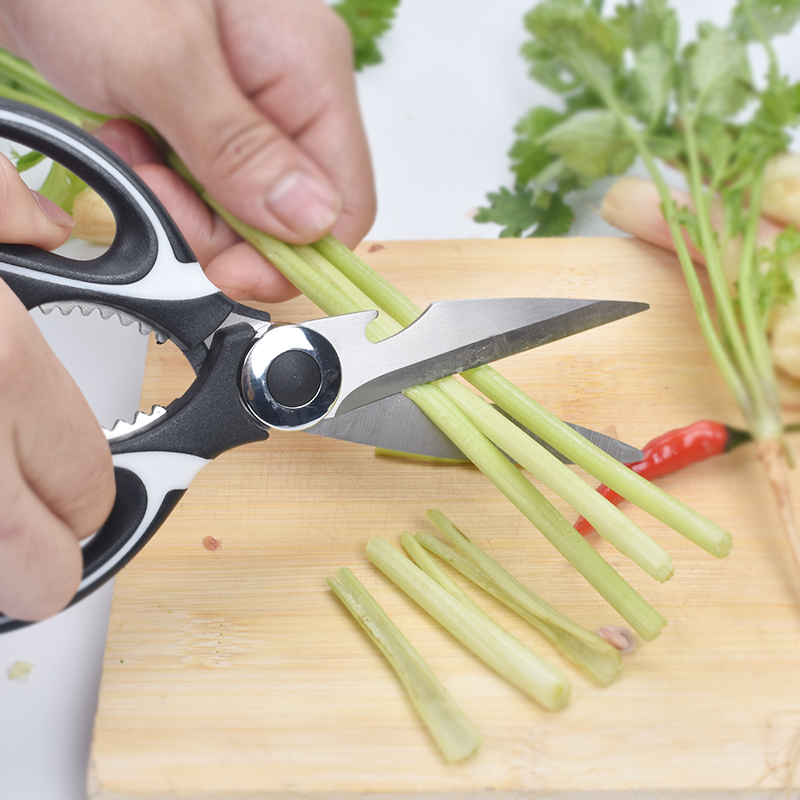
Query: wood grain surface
pixel 236 673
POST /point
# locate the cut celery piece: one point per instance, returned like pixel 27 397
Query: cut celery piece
pixel 450 727
pixel 588 651
pixel 639 614
pixel 598 659
pixel 494 645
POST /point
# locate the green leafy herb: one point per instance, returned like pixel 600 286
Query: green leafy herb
pixel 630 91
pixel 519 211
pixel 367 20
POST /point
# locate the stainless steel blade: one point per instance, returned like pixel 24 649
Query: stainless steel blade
pixel 453 336
pixel 395 423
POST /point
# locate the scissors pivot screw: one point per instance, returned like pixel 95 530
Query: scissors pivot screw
pixel 291 376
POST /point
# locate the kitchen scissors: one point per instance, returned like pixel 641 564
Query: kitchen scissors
pixel 252 374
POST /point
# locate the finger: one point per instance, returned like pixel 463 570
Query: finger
pixel 27 217
pixel 338 143
pixel 239 271
pixel 239 155
pixel 56 483
pixel 129 141
pixel 206 233
pixel 61 451
pixel 230 264
pixel 312 97
pixel 41 562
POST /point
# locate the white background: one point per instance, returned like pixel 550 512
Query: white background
pixel 439 114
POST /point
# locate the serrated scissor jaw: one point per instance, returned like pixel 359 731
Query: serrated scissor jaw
pixel 66 307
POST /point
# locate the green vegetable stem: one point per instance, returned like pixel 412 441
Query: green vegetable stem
pixel 451 729
pixel 475 629
pixel 631 91
pixel 592 654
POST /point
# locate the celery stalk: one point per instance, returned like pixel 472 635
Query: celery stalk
pixel 375 286
pixel 494 645
pixel 641 492
pixel 388 453
pixel 533 416
pixel 640 615
pixel 587 650
pixel 450 727
pixel 35 90
pixel 422 558
pixel 606 518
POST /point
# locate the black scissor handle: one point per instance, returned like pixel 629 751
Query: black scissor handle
pixel 148 271
pixel 156 462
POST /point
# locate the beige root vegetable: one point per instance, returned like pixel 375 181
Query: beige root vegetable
pixel 94 221
pixel 781 198
pixel 633 205
pixel 781 203
pixel 785 334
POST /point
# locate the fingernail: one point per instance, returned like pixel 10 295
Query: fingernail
pixel 54 212
pixel 303 203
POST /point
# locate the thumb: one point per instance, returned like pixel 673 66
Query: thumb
pixel 26 217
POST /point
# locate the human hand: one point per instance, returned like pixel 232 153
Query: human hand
pixel 256 96
pixel 56 476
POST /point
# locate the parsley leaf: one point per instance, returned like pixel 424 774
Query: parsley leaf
pixel 367 20
pixel 592 143
pixel 759 19
pixel 529 156
pixel 719 71
pixel 540 214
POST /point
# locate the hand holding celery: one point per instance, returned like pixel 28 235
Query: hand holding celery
pixel 339 282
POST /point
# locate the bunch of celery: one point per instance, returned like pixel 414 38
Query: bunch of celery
pixel 632 90
pixel 339 282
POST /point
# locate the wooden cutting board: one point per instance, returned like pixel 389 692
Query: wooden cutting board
pixel 237 674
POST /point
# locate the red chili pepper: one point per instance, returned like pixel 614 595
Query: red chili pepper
pixel 674 450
